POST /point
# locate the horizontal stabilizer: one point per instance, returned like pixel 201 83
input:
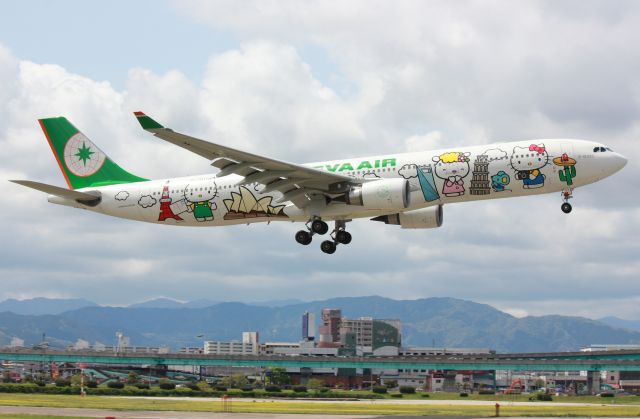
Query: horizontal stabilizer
pixel 81 197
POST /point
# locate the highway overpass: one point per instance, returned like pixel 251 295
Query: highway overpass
pixel 557 361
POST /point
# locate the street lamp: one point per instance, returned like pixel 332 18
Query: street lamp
pixel 201 336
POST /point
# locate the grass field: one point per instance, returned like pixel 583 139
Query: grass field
pixel 280 406
pixel 522 398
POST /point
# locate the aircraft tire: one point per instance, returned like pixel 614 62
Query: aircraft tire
pixel 319 227
pixel 303 237
pixel 343 237
pixel 328 247
pixel 566 208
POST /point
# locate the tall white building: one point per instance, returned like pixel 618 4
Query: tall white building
pixel 248 346
pixel 251 337
pixel 213 347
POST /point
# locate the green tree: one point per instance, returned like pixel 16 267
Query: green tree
pixel 279 376
pixel 165 384
pixel 132 378
pixel 390 383
pixel 76 379
pixel 6 377
pixel 203 385
pixel 234 381
pixel 315 384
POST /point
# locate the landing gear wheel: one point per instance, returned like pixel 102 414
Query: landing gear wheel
pixel 328 247
pixel 319 227
pixel 303 237
pixel 343 237
pixel 566 208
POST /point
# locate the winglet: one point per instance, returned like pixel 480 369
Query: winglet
pixel 147 122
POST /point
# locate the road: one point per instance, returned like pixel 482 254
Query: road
pixel 140 414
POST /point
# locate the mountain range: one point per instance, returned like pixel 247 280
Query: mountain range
pixel 446 322
pixel 37 306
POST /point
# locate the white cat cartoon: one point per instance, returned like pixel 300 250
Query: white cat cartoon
pixel 527 163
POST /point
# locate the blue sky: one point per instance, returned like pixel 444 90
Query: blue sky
pixel 314 81
pixel 104 40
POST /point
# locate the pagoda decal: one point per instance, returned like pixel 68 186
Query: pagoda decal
pixel 480 182
pixel 245 205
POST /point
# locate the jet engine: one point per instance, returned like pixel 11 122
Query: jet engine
pixel 430 217
pixel 384 194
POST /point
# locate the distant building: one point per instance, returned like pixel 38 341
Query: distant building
pixel 308 326
pixel 191 351
pixel 329 332
pixel 81 345
pixel 251 337
pixel 213 347
pixel 270 348
pixel 16 342
pixel 305 351
pixel 250 345
pixel 372 335
pixel 430 351
pixel 611 347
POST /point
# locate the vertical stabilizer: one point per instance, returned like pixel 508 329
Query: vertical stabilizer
pixel 82 163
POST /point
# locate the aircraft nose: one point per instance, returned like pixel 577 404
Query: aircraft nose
pixel 620 161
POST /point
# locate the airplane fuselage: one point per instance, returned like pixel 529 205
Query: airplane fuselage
pixel 438 177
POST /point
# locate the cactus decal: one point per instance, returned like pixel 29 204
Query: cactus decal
pixel 568 174
pixel 568 171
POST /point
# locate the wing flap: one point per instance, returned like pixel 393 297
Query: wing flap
pixel 276 175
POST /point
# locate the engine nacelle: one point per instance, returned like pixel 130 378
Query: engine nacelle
pixel 384 194
pixel 430 217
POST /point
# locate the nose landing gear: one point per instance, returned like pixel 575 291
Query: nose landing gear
pixel 566 207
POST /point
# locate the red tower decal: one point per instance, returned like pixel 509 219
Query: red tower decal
pixel 165 206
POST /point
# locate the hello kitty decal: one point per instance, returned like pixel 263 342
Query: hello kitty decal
pixel 452 167
pixel 200 201
pixel 527 163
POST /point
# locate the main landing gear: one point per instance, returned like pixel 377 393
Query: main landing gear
pixel 339 235
pixel 314 226
pixel 566 207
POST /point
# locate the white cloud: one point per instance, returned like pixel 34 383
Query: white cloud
pixel 414 76
pixel 430 141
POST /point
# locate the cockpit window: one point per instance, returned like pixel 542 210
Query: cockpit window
pixel 602 149
pixel 596 149
pixel 608 149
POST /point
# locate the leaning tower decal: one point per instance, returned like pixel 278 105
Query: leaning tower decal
pixel 480 184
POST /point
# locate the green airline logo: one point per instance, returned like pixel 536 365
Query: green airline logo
pixel 363 165
pixel 84 153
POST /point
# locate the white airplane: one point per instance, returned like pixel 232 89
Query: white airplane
pixel 406 189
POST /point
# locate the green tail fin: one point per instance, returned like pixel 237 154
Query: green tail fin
pixel 82 163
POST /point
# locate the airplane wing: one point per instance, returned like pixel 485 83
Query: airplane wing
pixel 297 183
